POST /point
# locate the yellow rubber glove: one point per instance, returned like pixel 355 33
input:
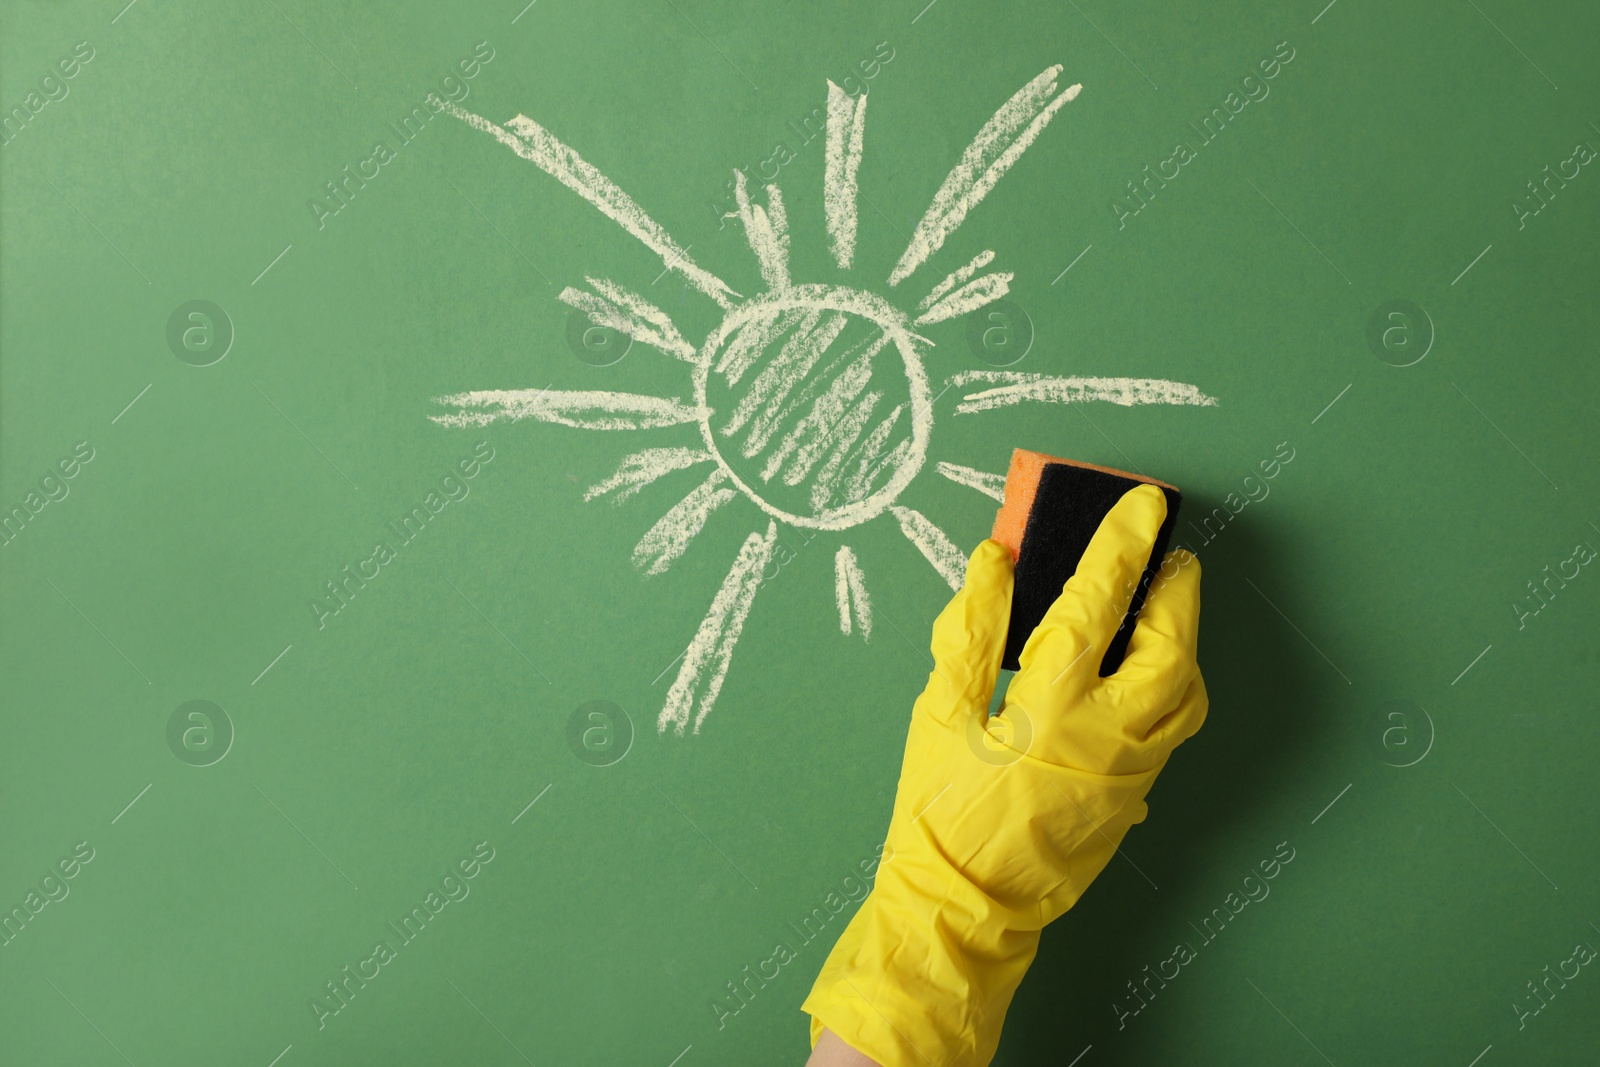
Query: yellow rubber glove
pixel 1000 823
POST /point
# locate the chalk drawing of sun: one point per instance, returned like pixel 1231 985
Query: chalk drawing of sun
pixel 811 400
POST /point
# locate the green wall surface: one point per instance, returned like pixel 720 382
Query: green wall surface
pixel 242 257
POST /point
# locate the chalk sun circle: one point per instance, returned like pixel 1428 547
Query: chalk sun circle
pixel 895 325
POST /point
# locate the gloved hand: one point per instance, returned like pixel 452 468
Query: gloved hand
pixel 1000 823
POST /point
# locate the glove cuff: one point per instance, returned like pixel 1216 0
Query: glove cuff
pixel 914 981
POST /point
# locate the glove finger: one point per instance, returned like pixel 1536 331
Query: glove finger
pixel 1161 663
pixel 1078 628
pixel 1181 722
pixel 969 635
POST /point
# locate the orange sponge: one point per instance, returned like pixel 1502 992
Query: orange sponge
pixel 1051 510
pixel 1022 485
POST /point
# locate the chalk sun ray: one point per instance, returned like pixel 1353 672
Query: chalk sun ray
pixel 970 297
pixel 841 160
pixel 957 277
pixel 542 148
pixel 639 469
pixel 629 313
pixel 850 593
pixel 992 152
pixel 767 230
pixel 669 538
pixel 580 409
pixel 992 485
pixel 705 663
pixel 934 544
pixel 1010 388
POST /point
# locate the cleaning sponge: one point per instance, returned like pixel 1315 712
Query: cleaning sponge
pixel 1051 509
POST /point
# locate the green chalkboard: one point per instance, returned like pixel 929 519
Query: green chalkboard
pixel 350 719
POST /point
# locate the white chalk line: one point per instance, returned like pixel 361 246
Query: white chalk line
pixel 804 442
pixel 582 409
pixel 840 443
pixel 970 297
pixel 669 538
pixel 934 545
pixel 797 356
pixel 825 418
pixel 659 321
pixel 613 314
pixel 996 148
pixel 1015 387
pixel 957 277
pixel 751 340
pixel 534 143
pixel 639 469
pixel 705 661
pixel 991 485
pixel 850 592
pixel 776 383
pixel 767 230
pixel 872 458
pixel 841 161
